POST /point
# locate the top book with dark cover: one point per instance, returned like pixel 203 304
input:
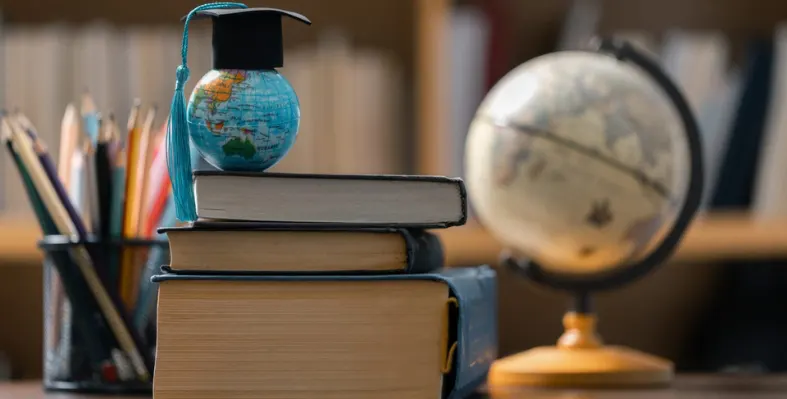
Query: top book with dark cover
pixel 357 200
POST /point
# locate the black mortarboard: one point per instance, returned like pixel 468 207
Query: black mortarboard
pixel 248 38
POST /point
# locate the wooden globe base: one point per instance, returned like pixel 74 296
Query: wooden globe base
pixel 580 360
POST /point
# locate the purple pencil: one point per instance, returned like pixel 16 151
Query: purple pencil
pixel 51 173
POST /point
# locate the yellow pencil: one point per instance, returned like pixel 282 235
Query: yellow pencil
pixel 142 166
pixel 131 208
pixel 24 147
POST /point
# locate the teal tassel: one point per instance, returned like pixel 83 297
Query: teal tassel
pixel 178 154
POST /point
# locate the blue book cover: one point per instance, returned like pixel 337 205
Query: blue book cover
pixel 472 326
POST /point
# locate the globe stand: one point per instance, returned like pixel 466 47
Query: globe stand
pixel 581 360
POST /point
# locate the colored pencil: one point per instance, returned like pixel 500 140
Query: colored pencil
pixel 109 307
pixel 131 207
pixel 69 137
pixel 49 168
pixel 90 117
pixel 88 325
pixel 103 167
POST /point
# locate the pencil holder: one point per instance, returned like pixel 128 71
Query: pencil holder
pixel 99 314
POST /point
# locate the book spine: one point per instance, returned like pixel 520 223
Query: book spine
pixel 424 251
pixel 475 290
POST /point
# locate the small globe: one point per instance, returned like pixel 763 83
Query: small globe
pixel 578 161
pixel 243 120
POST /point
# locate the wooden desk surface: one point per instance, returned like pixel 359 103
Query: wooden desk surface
pixel 685 387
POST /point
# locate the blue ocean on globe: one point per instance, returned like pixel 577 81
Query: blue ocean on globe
pixel 243 120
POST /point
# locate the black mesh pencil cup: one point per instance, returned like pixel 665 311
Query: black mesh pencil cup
pixel 99 313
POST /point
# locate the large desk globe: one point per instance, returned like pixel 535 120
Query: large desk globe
pixel 579 161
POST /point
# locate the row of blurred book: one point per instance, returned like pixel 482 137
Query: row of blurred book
pixel 704 63
pixel 352 99
pixel 355 101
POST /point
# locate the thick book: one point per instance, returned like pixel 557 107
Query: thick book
pixel 287 248
pixel 366 200
pixel 417 336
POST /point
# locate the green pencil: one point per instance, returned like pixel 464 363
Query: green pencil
pixel 85 314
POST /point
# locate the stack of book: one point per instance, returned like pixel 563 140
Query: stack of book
pixel 330 286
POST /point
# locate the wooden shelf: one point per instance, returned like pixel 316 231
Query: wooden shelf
pixel 18 242
pixel 712 237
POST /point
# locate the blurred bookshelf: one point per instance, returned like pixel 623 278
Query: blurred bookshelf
pixel 720 236
pixel 411 42
pixel 524 30
pixel 713 237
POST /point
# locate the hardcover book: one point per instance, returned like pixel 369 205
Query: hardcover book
pixel 416 336
pixel 300 248
pixel 365 200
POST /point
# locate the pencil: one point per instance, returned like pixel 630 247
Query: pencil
pixel 97 349
pixel 49 168
pixel 76 189
pixel 117 201
pixel 158 187
pixel 133 174
pixel 131 207
pixel 69 135
pixel 91 125
pixel 96 254
pixel 136 195
pixel 91 185
pixel 146 145
pixel 89 117
pixel 109 307
pixel 103 167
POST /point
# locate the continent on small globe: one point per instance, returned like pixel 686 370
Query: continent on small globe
pixel 243 120
pixel 218 90
pixel 237 146
pixel 577 159
pixel 215 127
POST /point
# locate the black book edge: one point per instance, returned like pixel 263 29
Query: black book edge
pixel 210 276
pixel 216 225
pixel 283 175
pixel 423 250
pixel 349 225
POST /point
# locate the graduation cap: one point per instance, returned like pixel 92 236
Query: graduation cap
pixel 244 38
pixel 248 38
